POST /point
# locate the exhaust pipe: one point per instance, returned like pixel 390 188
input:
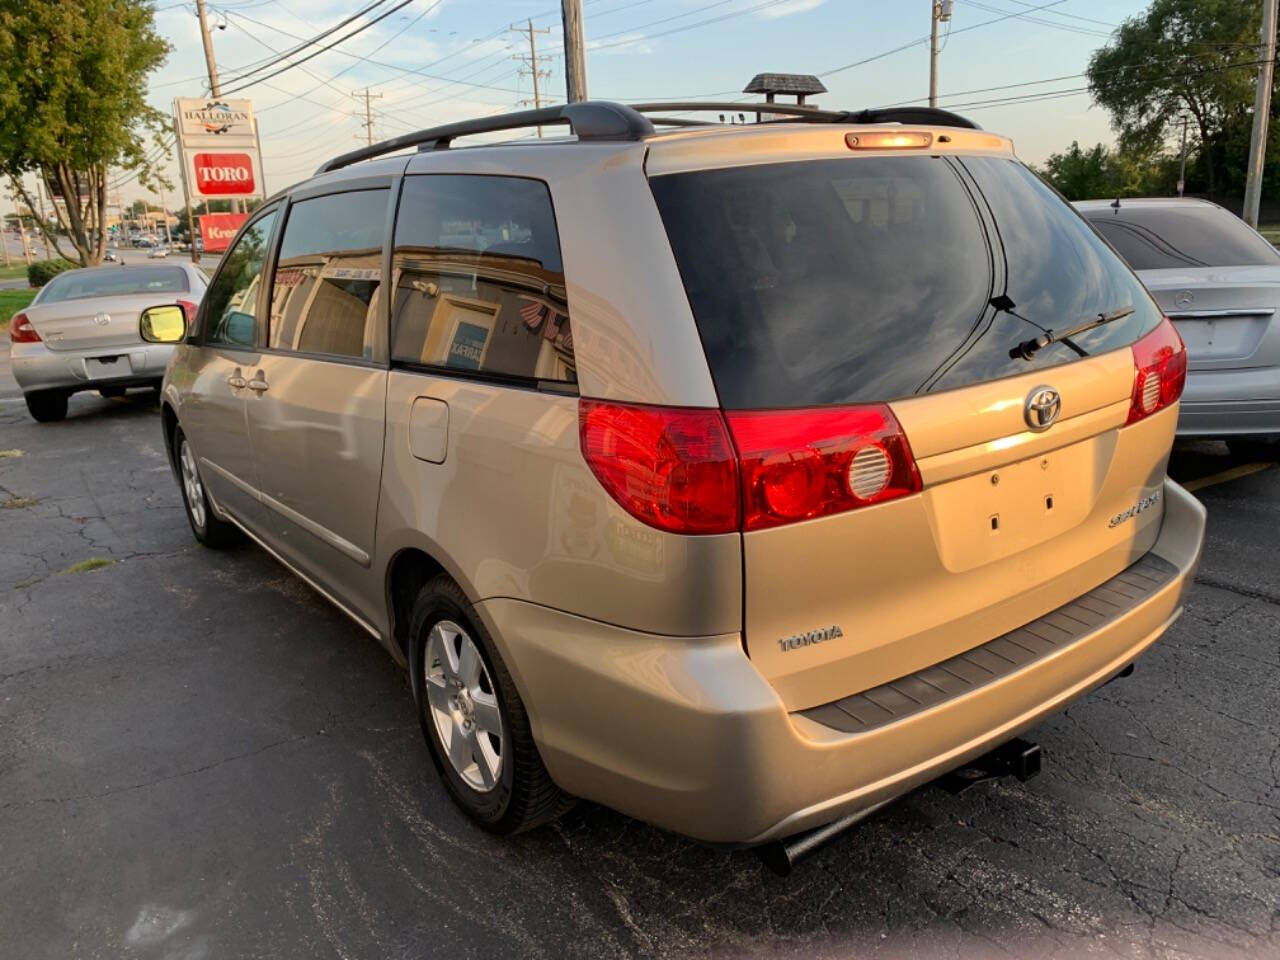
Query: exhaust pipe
pixel 1017 758
pixel 781 856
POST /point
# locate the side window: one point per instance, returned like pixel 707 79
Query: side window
pixel 232 298
pixel 478 280
pixel 324 296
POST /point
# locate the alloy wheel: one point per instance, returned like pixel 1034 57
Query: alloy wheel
pixel 463 705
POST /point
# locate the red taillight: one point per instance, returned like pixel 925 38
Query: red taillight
pixel 700 471
pixel 189 311
pixel 672 468
pixel 21 330
pixel 1160 371
pixel 801 464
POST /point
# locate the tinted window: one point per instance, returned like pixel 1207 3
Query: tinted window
pixel 325 291
pixel 231 303
pixel 114 282
pixel 479 283
pixel 872 278
pixel 1157 238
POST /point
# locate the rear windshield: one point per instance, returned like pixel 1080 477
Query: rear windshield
pixel 112 282
pixel 1162 238
pixel 872 278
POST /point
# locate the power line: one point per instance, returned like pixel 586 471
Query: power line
pixel 311 56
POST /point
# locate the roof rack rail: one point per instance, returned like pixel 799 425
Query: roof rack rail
pixel 589 120
pixel 792 111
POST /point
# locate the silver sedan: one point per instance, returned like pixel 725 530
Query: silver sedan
pixel 1219 281
pixel 81 332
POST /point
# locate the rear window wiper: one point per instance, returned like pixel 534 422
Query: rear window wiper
pixel 1029 348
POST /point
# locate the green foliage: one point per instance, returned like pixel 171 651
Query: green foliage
pixel 1197 56
pixel 42 271
pixel 11 301
pixel 1099 173
pixel 73 86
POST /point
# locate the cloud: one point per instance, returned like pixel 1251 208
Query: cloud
pixel 627 43
pixel 792 6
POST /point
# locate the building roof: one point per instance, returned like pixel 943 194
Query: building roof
pixel 796 83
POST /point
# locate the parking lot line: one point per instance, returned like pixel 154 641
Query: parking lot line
pixel 1235 473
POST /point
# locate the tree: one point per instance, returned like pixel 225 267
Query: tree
pixel 1195 55
pixel 73 84
pixel 1079 174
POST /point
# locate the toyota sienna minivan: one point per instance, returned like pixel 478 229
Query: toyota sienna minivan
pixel 738 477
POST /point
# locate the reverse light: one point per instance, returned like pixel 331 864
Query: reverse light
pixel 1160 371
pixel 21 330
pixel 801 464
pixel 888 140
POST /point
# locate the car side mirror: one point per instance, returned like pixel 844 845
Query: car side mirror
pixel 167 324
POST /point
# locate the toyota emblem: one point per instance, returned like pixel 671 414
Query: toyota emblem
pixel 1184 299
pixel 1042 408
pixel 102 319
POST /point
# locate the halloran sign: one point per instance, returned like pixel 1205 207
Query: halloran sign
pixel 209 122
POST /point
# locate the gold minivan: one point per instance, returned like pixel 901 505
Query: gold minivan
pixel 738 477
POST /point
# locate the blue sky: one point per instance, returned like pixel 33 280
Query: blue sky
pixel 463 57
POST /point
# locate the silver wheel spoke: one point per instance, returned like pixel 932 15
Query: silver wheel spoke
pixel 469 664
pixel 459 750
pixel 487 762
pixel 488 718
pixel 437 695
pixel 447 655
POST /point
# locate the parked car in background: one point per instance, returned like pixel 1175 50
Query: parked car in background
pixel 740 478
pixel 1219 281
pixel 81 332
pixel 159 253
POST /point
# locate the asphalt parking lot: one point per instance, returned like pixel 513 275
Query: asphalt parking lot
pixel 200 758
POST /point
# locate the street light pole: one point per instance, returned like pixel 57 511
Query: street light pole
pixel 1261 115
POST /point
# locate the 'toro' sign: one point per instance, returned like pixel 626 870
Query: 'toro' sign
pixel 223 175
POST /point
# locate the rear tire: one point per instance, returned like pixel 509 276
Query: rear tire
pixel 207 529
pixel 1251 449
pixel 464 691
pixel 47 406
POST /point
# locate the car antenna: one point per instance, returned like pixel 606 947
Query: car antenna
pixel 1115 204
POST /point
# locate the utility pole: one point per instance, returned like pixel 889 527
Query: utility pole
pixel 1182 164
pixel 533 62
pixel 215 88
pixel 1261 114
pixel 941 13
pixel 368 111
pixel 575 57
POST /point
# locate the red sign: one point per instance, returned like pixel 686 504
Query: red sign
pixel 218 229
pixel 223 173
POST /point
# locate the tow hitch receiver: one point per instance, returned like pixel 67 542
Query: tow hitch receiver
pixel 1017 758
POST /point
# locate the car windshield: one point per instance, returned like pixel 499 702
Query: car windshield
pixel 1169 237
pixel 865 279
pixel 115 282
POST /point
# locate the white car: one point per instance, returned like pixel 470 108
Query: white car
pixel 81 332
pixel 1218 280
pixel 158 253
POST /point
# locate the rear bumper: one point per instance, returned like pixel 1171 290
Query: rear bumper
pixel 36 367
pixel 686 734
pixel 1223 403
